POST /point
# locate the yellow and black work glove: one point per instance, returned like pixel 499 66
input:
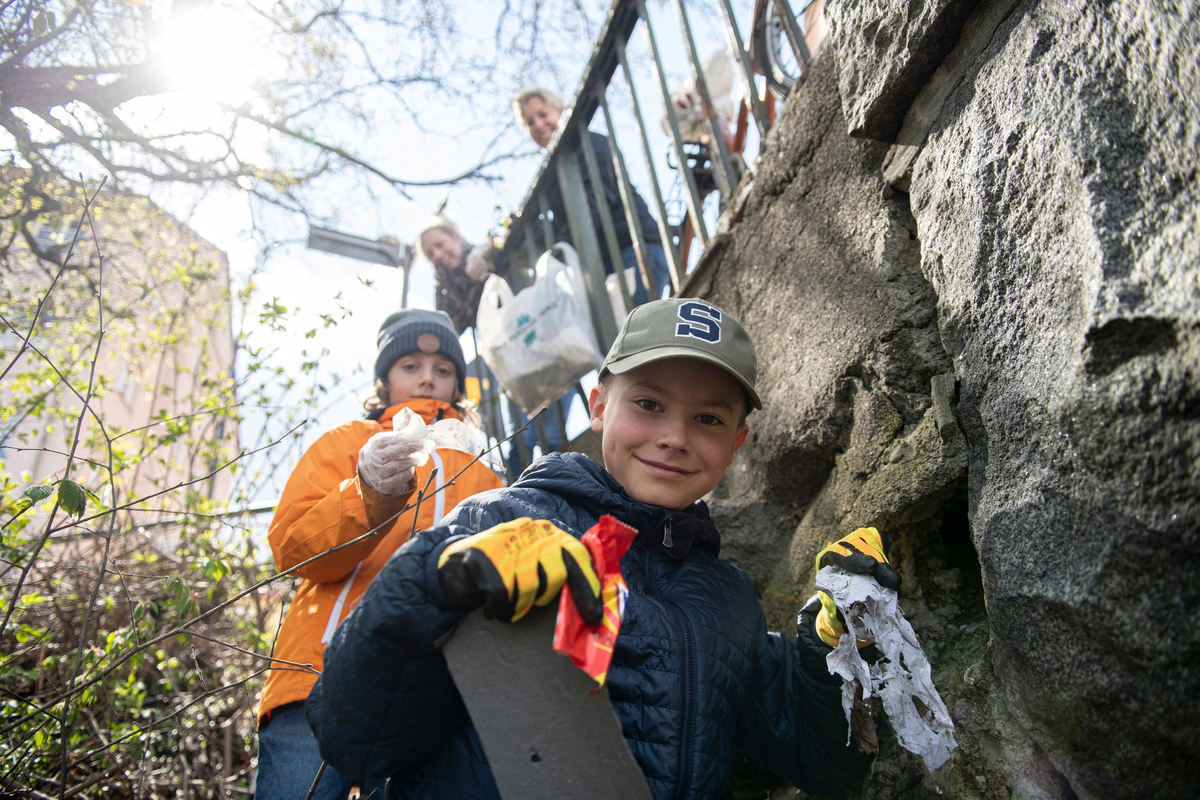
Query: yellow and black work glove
pixel 863 552
pixel 516 565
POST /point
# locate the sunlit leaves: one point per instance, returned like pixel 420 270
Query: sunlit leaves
pixel 32 599
pixel 27 634
pixel 158 488
pixel 273 314
pixel 165 311
pixel 71 498
pixel 39 493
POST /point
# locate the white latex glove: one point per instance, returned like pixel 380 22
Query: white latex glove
pixel 477 261
pixel 387 461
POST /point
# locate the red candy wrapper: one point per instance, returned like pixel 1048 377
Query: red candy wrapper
pixel 591 649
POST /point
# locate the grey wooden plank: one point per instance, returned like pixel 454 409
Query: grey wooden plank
pixel 544 735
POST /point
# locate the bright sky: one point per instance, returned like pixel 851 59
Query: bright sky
pixel 310 281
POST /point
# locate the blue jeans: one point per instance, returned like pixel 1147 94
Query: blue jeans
pixel 658 269
pixel 549 420
pixel 288 760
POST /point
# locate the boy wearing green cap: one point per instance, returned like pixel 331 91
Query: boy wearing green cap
pixel 694 672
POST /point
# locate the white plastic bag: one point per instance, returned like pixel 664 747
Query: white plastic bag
pixel 689 110
pixel 540 341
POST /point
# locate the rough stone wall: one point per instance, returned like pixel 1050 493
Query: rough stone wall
pixel 1002 374
pixel 858 425
pixel 1057 204
pixel 907 40
pixel 846 391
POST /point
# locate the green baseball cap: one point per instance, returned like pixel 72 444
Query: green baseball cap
pixel 689 328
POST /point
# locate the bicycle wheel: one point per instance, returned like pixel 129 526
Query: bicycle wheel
pixel 780 66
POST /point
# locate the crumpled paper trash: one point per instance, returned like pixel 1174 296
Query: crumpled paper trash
pixel 873 613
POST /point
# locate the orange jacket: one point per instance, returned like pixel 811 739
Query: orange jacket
pixel 324 505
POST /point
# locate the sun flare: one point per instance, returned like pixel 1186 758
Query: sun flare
pixel 210 54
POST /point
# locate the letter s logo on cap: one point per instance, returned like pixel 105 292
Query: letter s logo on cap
pixel 700 321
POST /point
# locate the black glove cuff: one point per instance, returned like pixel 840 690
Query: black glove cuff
pixel 433 582
pixel 812 650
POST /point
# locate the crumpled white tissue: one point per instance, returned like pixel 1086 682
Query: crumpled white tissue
pixel 873 613
pixel 387 460
pixel 408 424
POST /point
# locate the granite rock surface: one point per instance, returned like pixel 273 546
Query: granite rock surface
pixel 1000 368
pixel 1057 207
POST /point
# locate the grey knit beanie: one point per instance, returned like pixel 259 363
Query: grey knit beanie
pixel 413 330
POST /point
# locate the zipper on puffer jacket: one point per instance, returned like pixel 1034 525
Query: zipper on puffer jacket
pixel 689 682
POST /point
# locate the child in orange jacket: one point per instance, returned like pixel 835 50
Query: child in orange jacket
pixel 361 477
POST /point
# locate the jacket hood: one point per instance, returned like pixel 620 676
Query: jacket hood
pixel 583 483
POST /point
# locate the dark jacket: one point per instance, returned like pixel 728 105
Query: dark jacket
pixel 457 293
pixel 612 196
pixel 694 673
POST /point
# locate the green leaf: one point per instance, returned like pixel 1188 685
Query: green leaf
pixel 39 493
pixel 92 496
pixel 26 634
pixel 19 507
pixel 72 498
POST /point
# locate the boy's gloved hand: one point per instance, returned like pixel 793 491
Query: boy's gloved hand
pixel 478 261
pixel 863 552
pixel 516 565
pixel 387 461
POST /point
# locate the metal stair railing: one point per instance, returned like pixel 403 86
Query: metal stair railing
pixel 558 182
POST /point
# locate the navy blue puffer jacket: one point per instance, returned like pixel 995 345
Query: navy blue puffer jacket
pixel 694 673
